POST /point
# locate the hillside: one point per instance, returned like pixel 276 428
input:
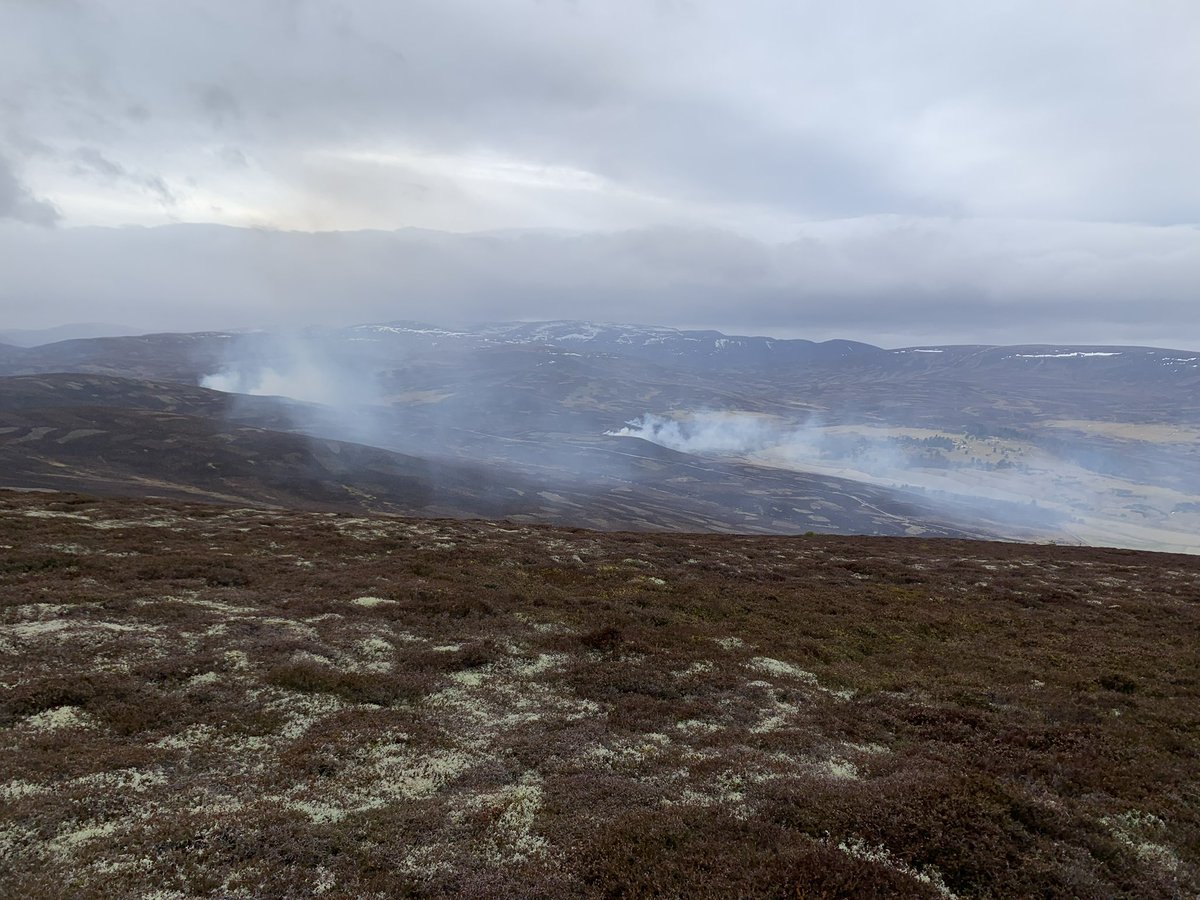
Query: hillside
pixel 126 437
pixel 650 427
pixel 204 700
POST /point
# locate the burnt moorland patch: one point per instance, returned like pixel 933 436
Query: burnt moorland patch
pixel 213 701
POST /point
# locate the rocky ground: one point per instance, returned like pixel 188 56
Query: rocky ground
pixel 215 701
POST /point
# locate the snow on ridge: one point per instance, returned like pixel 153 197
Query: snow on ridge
pixel 400 329
pixel 1074 354
pixel 579 331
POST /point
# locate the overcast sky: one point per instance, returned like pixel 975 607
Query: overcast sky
pixel 988 171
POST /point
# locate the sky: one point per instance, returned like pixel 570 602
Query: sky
pixel 923 172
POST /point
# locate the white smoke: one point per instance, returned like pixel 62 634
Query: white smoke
pixel 755 436
pixel 1026 487
pixel 302 380
pixel 709 432
pixel 342 394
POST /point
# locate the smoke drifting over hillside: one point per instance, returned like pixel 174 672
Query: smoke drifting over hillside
pixel 709 432
pixel 743 434
pixel 536 414
pixel 341 394
pixel 1019 478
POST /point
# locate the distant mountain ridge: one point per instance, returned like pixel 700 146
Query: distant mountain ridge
pixel 706 349
pixel 689 349
pixel 34 337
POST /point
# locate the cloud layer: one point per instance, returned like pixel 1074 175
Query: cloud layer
pixel 875 170
pixel 889 280
pixel 468 114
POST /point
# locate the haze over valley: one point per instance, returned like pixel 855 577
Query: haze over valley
pixel 639 427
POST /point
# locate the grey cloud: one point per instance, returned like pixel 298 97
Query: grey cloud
pixel 157 186
pixel 811 109
pixel 219 104
pixel 91 161
pixel 899 172
pixel 888 280
pixel 16 202
pixel 233 157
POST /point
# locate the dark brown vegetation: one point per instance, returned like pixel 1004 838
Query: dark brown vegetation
pixel 204 701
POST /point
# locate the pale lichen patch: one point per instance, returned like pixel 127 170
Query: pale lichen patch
pixel 1134 829
pixel 370 602
pixel 629 752
pixel 836 767
pixel 61 717
pixel 545 662
pixel 374 655
pixel 700 667
pixel 69 839
pixel 291 625
pixel 781 669
pixel 871 749
pixel 512 839
pixel 386 773
pixel 476 713
pixel 14 790
pixel 730 643
pixel 70 549
pixel 203 679
pixel 929 875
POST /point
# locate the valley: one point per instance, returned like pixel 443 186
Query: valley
pixel 610 426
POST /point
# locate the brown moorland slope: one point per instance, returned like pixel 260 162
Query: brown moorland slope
pixel 205 701
pixel 116 437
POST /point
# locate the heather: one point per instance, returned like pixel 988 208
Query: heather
pixel 217 701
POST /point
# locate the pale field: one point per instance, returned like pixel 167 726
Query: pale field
pixel 1104 510
pixel 1130 431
